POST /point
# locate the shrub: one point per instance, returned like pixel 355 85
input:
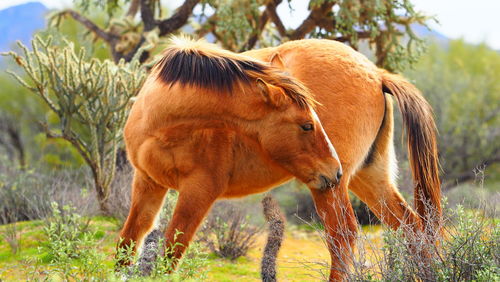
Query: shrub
pixel 468 250
pixel 227 232
pixel 299 206
pixel 70 247
pixel 12 235
pixel 27 194
pixel 120 194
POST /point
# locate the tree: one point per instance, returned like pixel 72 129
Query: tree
pixel 245 24
pixel 90 98
pixel 461 83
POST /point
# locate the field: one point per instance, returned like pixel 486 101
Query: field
pixel 301 257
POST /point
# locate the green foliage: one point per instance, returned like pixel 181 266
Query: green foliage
pixel 70 247
pixel 471 251
pixel 461 83
pixel 468 251
pixel 64 230
pixel 239 19
pixel 383 23
pixel 90 99
pixel 69 253
pixel 386 26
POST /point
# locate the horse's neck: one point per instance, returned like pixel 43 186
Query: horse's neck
pixel 253 171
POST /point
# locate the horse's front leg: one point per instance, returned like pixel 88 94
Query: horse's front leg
pixel 335 210
pixel 147 200
pixel 197 193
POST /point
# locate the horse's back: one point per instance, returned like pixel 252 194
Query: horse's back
pixel 345 83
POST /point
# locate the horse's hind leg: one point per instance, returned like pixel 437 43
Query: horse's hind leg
pixel 335 210
pixel 374 183
pixel 147 200
pixel 382 197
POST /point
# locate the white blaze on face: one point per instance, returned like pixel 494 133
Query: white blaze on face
pixel 330 146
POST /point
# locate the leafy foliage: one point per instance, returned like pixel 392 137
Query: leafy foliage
pixel 70 246
pixel 461 83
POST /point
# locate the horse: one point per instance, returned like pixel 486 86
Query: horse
pixel 214 124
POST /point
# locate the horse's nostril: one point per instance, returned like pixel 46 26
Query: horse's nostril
pixel 339 175
pixel 324 180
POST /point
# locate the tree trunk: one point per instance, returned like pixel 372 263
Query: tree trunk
pixel 102 196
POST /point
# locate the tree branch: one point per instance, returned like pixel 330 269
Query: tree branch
pixel 273 15
pixel 311 21
pixel 77 145
pixel 134 8
pixel 147 15
pixel 108 37
pixel 178 19
pixel 263 19
pixel 361 35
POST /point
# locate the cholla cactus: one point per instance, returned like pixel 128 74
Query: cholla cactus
pixel 276 221
pixel 91 99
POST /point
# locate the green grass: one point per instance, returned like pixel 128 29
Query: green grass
pixel 298 248
pixel 303 256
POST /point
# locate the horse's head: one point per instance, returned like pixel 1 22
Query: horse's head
pixel 292 134
pixel 280 109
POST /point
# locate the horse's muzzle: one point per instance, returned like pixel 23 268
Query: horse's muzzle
pixel 329 182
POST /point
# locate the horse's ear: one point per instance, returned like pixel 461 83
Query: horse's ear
pixel 273 95
pixel 277 62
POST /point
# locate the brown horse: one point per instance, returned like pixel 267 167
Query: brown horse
pixel 212 124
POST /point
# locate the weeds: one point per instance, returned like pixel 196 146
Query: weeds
pixel 468 250
pixel 70 247
pixel 156 261
pixel 12 235
pixel 227 232
pixel 27 194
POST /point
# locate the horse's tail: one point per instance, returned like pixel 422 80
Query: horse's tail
pixel 422 148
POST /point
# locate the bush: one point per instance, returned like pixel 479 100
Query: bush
pixel 70 247
pixel 27 194
pixel 474 196
pixel 467 251
pixel 227 232
pixel 118 203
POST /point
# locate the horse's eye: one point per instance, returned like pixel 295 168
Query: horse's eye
pixel 307 127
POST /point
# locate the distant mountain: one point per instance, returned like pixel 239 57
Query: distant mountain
pixel 432 35
pixel 19 23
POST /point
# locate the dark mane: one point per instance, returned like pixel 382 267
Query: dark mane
pixel 206 66
pixel 189 67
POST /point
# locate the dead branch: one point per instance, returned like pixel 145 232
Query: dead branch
pixel 178 19
pixel 134 8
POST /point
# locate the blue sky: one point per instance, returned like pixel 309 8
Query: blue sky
pixel 475 21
